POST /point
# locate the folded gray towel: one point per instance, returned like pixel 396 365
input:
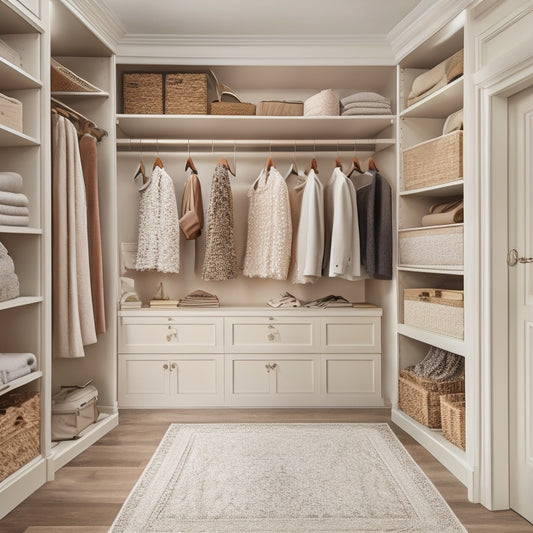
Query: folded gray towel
pixel 10 182
pixel 365 96
pixel 12 198
pixel 14 220
pixel 366 111
pixel 13 210
pixel 9 287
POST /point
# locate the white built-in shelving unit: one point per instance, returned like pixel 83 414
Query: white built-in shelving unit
pixel 24 321
pixel 417 123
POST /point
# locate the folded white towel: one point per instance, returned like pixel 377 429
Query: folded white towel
pixel 12 198
pixel 10 182
pixel 14 220
pixel 365 96
pixel 377 105
pixel 365 111
pixel 7 376
pixel 14 361
pixel 325 103
pixel 14 210
pixel 9 287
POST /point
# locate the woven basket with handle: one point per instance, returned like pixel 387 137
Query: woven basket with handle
pixel 452 412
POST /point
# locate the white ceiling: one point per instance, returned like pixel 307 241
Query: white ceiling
pixel 260 17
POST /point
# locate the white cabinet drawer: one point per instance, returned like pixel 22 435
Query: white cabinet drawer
pixel 351 334
pixel 170 335
pixel 271 335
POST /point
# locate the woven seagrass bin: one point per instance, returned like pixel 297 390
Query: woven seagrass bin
pixel 63 79
pixel 11 112
pixel 452 413
pixel 142 93
pixel 20 423
pixel 420 397
pixel 231 108
pixel 185 94
pixel 433 162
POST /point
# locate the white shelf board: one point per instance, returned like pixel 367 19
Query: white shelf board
pixel 21 230
pixel 66 450
pixel 16 383
pixel 450 344
pixel 79 94
pixel 424 228
pixel 13 21
pixel 452 188
pixel 440 104
pixel 251 127
pixel 458 271
pixel 13 77
pixel 20 301
pixel 452 457
pixel 10 137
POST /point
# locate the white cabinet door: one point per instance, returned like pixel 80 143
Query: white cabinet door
pixel 198 380
pixel 351 334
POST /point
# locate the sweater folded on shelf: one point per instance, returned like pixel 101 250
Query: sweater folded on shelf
pixel 10 182
pixel 16 365
pixel 366 103
pixel 200 298
pixel 365 97
pixel 12 198
pixel 444 213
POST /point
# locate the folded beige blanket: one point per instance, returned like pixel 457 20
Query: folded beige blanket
pixel 14 210
pixel 10 182
pixel 444 213
pixel 377 105
pixel 325 103
pixel 365 97
pixel 366 111
pixel 453 123
pixel 9 287
pixel 12 198
pixel 439 76
pixel 14 220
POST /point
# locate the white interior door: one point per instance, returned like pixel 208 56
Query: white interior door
pixel 521 302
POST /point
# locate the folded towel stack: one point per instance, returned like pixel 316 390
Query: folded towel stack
pixel 200 298
pixel 325 103
pixel 366 103
pixel 16 365
pixel 9 282
pixel 13 204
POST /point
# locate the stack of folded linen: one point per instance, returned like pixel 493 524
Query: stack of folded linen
pixel 366 103
pixel 325 103
pixel 9 282
pixel 16 365
pixel 200 298
pixel 13 204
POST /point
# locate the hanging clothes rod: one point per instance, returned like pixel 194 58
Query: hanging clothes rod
pixel 84 124
pixel 229 144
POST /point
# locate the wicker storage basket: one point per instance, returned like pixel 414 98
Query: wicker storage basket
pixel 420 397
pixel 440 311
pixel 231 108
pixel 20 430
pixel 433 162
pixel 452 414
pixel 280 108
pixel 185 94
pixel 11 55
pixel 64 80
pixel 432 246
pixel 142 93
pixel 11 112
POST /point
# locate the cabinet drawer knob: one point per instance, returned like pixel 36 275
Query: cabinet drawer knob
pixel 271 337
pixel 172 332
pixel 165 366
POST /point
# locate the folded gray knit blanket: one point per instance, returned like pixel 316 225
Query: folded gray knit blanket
pixel 10 182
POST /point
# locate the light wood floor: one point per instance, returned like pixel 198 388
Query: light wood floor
pixel 88 492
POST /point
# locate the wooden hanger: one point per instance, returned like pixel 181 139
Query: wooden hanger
pixel 158 163
pixel 372 165
pixel 190 164
pixel 82 124
pixel 270 163
pixel 224 163
pixel 338 163
pixel 141 171
pixel 312 165
pixel 355 166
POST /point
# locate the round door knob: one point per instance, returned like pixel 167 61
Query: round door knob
pixel 165 366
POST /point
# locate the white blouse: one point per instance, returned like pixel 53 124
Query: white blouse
pixel 268 244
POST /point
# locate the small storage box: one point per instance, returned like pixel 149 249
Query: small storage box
pixel 440 311
pixel 142 93
pixel 280 108
pixel 186 94
pixel 420 397
pixel 9 54
pixel 231 108
pixel 452 414
pixel 11 112
pixel 433 162
pixel 20 430
pixel 73 409
pixel 441 246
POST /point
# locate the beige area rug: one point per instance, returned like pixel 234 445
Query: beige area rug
pixel 283 478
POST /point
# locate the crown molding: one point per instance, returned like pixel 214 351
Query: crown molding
pixel 253 49
pixel 421 23
pixel 100 19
